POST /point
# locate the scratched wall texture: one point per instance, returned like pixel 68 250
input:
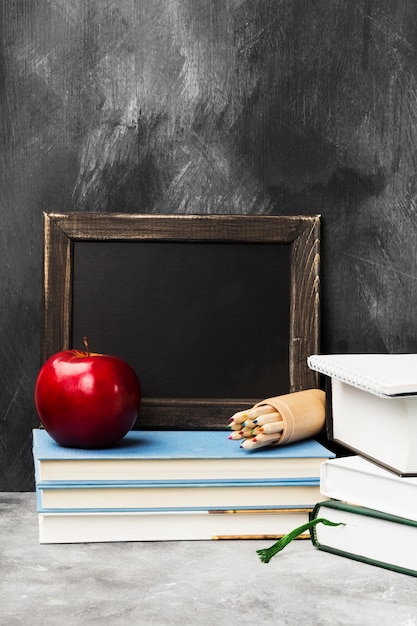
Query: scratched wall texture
pixel 209 106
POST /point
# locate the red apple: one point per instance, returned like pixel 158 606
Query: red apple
pixel 87 400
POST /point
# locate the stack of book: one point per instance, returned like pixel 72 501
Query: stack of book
pixel 173 485
pixel 373 492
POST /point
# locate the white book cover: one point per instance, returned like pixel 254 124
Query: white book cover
pixel 373 407
pixel 380 374
pixel 367 535
pixel 81 527
pixel 359 481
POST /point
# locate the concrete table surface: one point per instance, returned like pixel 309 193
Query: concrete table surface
pixel 187 583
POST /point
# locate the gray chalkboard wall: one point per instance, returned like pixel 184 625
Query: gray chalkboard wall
pixel 177 106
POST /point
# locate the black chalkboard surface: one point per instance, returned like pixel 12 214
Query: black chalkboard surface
pixel 194 319
pixel 213 312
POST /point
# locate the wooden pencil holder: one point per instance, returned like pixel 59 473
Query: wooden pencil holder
pixel 302 412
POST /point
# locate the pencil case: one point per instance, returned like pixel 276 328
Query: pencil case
pixel 302 413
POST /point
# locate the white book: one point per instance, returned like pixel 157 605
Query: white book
pixel 380 374
pixel 359 481
pixel 82 527
pixel 367 535
pixel 369 414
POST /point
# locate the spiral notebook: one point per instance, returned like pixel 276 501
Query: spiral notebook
pixel 380 374
pixel 371 406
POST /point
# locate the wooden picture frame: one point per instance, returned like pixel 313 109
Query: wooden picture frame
pixel 301 234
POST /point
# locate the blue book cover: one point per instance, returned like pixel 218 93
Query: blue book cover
pixel 175 456
pixel 179 444
pixel 69 506
pixel 173 495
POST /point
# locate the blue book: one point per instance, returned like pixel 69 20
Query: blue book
pixel 175 456
pixel 198 495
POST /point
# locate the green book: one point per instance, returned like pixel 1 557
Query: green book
pixel 366 535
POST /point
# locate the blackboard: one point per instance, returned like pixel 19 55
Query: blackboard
pixel 213 312
pixel 193 319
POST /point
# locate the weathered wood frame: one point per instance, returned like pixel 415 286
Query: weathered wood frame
pixel 302 233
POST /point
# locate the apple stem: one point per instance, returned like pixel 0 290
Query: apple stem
pixel 87 349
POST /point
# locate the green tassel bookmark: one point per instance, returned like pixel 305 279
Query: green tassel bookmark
pixel 267 553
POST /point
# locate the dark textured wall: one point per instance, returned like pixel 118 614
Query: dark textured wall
pixel 209 106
